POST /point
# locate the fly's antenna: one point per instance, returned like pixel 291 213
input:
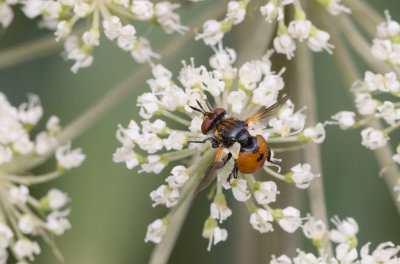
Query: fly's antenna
pixel 208 105
pixel 201 110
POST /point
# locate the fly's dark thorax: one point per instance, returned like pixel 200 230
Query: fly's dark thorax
pixel 231 130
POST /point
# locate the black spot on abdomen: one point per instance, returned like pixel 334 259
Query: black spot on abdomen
pixel 260 157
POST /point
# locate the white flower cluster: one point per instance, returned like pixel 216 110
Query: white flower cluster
pixel 300 29
pixel 257 87
pixel 61 16
pixel 369 107
pixel 32 217
pixel 345 251
pixel 386 46
pixel 213 30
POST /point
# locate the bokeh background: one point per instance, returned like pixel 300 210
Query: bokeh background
pixel 111 207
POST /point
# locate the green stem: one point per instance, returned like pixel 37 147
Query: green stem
pixel 176 118
pixel 283 139
pixel 312 155
pixel 365 15
pixel 274 174
pixel 31 50
pixel 29 180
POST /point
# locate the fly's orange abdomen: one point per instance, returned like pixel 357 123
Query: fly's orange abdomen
pixel 250 161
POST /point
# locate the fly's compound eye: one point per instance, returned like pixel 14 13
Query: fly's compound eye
pixel 205 126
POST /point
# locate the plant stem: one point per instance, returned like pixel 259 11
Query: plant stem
pixel 307 96
pixel 383 155
pixel 365 15
pixel 31 50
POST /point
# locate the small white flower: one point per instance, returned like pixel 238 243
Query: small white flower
pixel 157 127
pixel 373 139
pixel 142 52
pixel 63 30
pixel 212 32
pixel 150 142
pixel 239 190
pixel 212 82
pixel 112 27
pixel 19 194
pixel 168 20
pixel 5 235
pixel 213 233
pixel 345 230
pixel 384 253
pixel 44 142
pixel 319 40
pixel 365 104
pixel 388 112
pixel 345 253
pixel 165 195
pixel 23 145
pixel 218 209
pixel 236 101
pixel 314 228
pixel 57 222
pixel 82 9
pixel 30 112
pixel 236 12
pixel 261 220
pixel 346 119
pixel 57 199
pixel 290 220
pixel 6 15
pixel 149 105
pixel 315 134
pixel 396 157
pixel 53 125
pixel 300 29
pixel 142 9
pixel 91 37
pixel 26 248
pixel 265 192
pixel 32 8
pixel 302 175
pixel 154 164
pixel 175 140
pixel 304 257
pixel 27 224
pixel 127 39
pixel 381 49
pixel 250 74
pixel 284 44
pixel 156 230
pixel 178 178
pixel 335 8
pixel 283 259
pixel 222 60
pixel 127 155
pixel 389 28
pixel 6 154
pixel 68 158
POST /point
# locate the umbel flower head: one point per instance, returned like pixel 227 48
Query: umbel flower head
pixel 23 217
pixel 172 133
pixel 104 16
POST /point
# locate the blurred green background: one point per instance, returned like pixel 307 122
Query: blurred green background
pixel 111 207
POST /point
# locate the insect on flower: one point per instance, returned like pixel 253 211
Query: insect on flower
pixel 232 138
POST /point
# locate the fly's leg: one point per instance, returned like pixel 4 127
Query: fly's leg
pixel 274 162
pixel 234 172
pixel 214 142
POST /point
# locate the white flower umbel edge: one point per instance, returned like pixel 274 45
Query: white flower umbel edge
pixel 349 70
